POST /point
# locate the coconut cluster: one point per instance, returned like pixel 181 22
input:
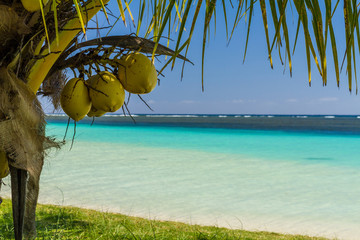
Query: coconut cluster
pixel 105 92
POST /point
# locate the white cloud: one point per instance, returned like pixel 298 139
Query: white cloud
pixel 151 101
pixel 328 99
pixel 237 101
pixel 270 103
pixel 188 102
pixel 292 100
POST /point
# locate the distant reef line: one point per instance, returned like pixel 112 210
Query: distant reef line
pixel 343 124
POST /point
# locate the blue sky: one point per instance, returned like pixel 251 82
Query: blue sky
pixel 234 87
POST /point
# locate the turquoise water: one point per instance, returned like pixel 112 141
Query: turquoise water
pixel 295 182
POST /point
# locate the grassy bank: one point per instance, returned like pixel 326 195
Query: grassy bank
pixel 55 222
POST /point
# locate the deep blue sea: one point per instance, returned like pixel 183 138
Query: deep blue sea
pixel 293 174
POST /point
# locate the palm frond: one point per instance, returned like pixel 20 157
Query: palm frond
pixel 264 15
pixel 169 19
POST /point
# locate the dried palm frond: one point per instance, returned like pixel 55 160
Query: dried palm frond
pixel 12 28
pixel 11 25
pixel 52 87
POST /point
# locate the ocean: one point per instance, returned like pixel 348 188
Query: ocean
pixel 292 174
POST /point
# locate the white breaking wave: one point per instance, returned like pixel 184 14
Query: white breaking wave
pixel 173 116
pixel 56 114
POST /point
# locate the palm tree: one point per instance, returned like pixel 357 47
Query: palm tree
pixel 40 39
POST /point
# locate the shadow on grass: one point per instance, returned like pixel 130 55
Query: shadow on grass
pixel 55 223
pixel 50 224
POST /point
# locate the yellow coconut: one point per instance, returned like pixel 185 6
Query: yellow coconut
pixel 106 92
pixel 33 5
pixel 4 165
pixel 95 113
pixel 137 73
pixel 75 100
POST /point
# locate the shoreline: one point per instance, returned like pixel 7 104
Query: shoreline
pixel 269 231
pixel 246 225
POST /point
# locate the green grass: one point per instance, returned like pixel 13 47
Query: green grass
pixel 54 222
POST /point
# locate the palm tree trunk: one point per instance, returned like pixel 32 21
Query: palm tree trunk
pixel 32 189
pixel 18 196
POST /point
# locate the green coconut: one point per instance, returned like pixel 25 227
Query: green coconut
pixel 106 92
pixel 137 73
